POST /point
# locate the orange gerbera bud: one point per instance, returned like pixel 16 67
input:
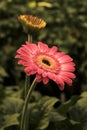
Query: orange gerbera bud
pixel 31 24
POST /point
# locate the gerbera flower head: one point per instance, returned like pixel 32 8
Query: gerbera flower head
pixel 47 63
pixel 31 24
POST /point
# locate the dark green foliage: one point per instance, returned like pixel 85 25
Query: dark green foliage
pixel 67 29
pixel 41 112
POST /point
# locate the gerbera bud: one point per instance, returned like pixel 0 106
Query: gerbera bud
pixel 31 24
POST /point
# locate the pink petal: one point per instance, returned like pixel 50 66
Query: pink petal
pixel 25 63
pixel 59 55
pixel 53 50
pixel 44 74
pixel 32 48
pixel 67 80
pixel 25 57
pixel 65 59
pixel 38 78
pixel 45 80
pixel 42 47
pixel 32 72
pixel 17 56
pixel 30 69
pixel 67 74
pixel 68 68
pixel 20 62
pixel 60 82
pixel 57 79
pixel 40 71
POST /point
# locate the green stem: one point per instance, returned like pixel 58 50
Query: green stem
pixel 27 84
pixel 27 87
pixel 29 38
pixel 23 118
pixel 27 78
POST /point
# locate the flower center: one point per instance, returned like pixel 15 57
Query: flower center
pixel 46 62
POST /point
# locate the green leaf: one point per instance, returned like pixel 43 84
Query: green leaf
pixel 3 72
pixel 64 107
pixel 11 108
pixel 35 97
pixel 45 4
pixel 67 125
pixel 12 105
pixel 79 111
pixel 39 112
pixel 84 95
pixel 84 24
pixel 1 128
pixel 55 117
pixel 9 91
pixel 10 120
pixel 63 123
pixel 46 105
pixel 71 10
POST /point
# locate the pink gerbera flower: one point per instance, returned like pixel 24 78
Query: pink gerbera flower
pixel 47 63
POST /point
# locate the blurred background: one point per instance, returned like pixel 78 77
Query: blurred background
pixel 66 28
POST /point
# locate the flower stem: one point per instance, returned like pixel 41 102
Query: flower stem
pixel 27 78
pixel 27 87
pixel 27 84
pixel 23 118
pixel 29 38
